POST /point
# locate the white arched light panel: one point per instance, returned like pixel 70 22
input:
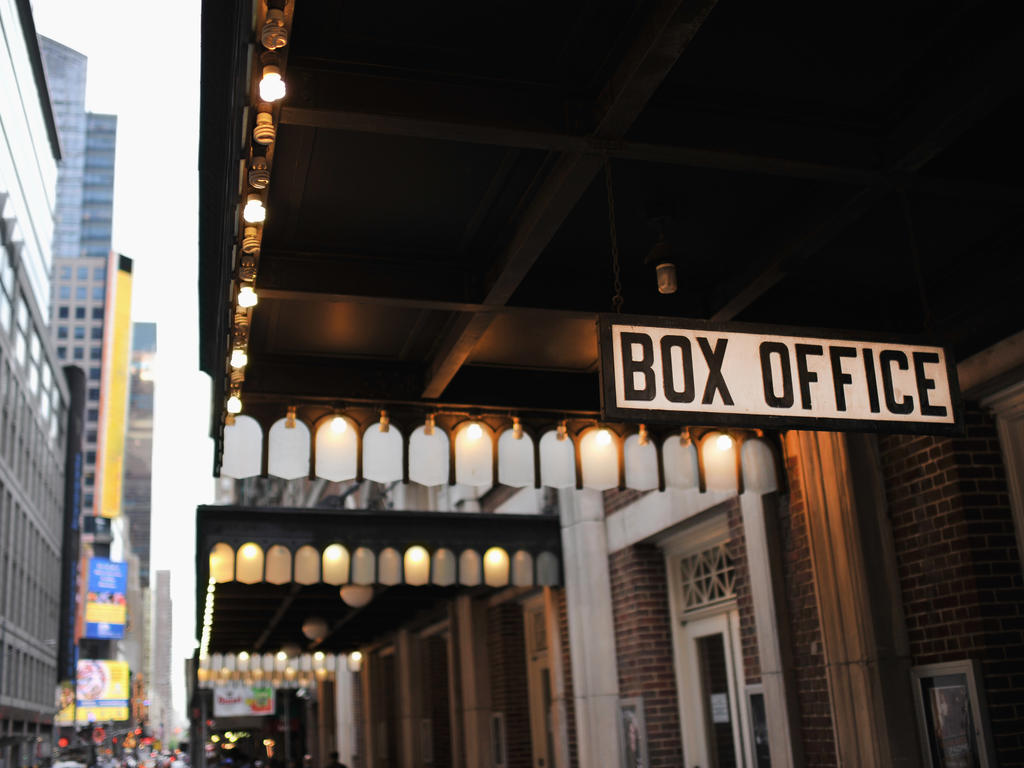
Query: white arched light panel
pixel 249 563
pixel 288 450
pixel 364 566
pixel 222 563
pixel 469 568
pixel 335 565
pixel 515 459
pixel 522 569
pixel 496 567
pixel 428 456
pixel 759 475
pixel 718 452
pixel 443 568
pixel 389 567
pixel 641 464
pixel 680 463
pixel 547 570
pixel 279 565
pixel 337 449
pixel 557 461
pixel 474 455
pixel 243 448
pixel 416 564
pixel 382 454
pixel 599 459
pixel 307 565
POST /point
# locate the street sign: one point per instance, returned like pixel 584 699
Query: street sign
pixel 731 374
pixel 98 735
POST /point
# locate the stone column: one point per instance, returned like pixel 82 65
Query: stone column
pixel 474 676
pixel 588 591
pixel 407 669
pixel 867 658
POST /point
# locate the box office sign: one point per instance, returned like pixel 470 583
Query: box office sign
pixel 697 372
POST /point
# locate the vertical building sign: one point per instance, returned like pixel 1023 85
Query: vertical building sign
pixel 106 609
pixel 114 392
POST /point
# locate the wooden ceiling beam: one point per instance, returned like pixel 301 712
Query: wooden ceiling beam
pixel 656 45
pixel 931 128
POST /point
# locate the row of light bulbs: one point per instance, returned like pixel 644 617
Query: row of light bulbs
pixel 273 36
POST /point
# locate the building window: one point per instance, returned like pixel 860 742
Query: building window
pixel 98 291
pixel 65 273
pixel 78 353
pixel 97 313
pixel 95 353
pixel 87 501
pixel 94 374
pixel 62 331
pixel 708 577
pixel 79 332
pixel 62 352
pixel 79 313
pixel 99 273
pixel 93 414
pixel 62 313
pixel 94 393
pixel 65 291
pixel 83 273
pixel 80 292
pixel 97 332
pixel 90 457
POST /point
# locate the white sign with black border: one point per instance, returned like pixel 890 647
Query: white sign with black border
pixel 734 374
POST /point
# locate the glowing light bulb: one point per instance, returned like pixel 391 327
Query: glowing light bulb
pixel 282 656
pixel 234 404
pixel 271 86
pixel 333 552
pixel 247 297
pixel 239 358
pixel 604 437
pixel 338 425
pixel 474 431
pixel 318 656
pixel 254 212
pixel 723 442
pixel 243 656
pixel 417 554
pixel 249 551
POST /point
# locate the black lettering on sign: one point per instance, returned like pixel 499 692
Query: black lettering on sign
pixel 805 376
pixel 716 382
pixel 886 359
pixel 840 379
pixel 687 393
pixel 924 383
pixel 869 372
pixel 767 349
pixel 644 366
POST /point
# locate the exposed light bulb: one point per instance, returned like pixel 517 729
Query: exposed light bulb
pixel 274 35
pixel 243 656
pixel 416 554
pixel 604 437
pixel 264 132
pixel 474 431
pixel 271 86
pixel 338 425
pixel 238 358
pixel 723 442
pixel 259 173
pixel 517 428
pixel 249 551
pixel 254 212
pixel 247 297
pixel 282 656
pixel 234 404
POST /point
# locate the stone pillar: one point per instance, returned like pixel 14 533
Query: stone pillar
pixel 474 676
pixel 595 675
pixel 559 726
pixel 767 593
pixel 345 722
pixel 867 659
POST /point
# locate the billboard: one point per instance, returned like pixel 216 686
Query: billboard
pixel 238 700
pixel 102 689
pixel 106 610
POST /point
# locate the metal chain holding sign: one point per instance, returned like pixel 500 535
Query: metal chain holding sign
pixel 617 297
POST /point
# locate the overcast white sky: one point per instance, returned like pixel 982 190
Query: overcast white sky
pixel 144 67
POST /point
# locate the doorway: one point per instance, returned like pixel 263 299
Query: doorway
pixel 538 676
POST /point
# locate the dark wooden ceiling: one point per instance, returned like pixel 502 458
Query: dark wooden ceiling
pixel 438 218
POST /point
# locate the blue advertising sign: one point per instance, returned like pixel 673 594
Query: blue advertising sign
pixel 106 610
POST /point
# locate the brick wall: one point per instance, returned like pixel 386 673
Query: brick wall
pixel 959 567
pixel 570 707
pixel 506 651
pixel 737 548
pixel 643 641
pixel 359 758
pixel 615 499
pixel 801 603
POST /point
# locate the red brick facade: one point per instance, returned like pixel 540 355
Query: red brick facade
pixel 506 652
pixel 801 604
pixel 959 567
pixel 737 548
pixel 643 641
pixel 570 708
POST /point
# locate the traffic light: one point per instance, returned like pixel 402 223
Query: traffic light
pixel 62 742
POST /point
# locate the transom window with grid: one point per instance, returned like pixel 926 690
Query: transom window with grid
pixel 708 578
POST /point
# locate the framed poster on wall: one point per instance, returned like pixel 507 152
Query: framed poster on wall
pixel 633 733
pixel 951 713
